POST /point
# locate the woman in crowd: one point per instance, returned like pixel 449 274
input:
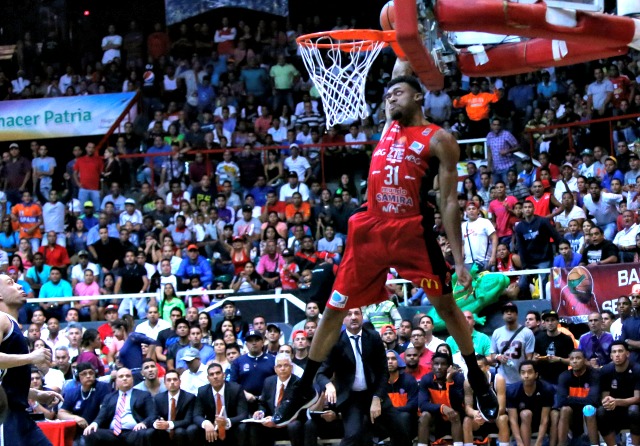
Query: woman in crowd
pixel 77 240
pixel 220 348
pixel 247 280
pixel 8 237
pixel 273 169
pixel 204 320
pixel 25 253
pixel 90 343
pixel 469 188
pixel 16 261
pixel 507 261
pixel 274 221
pixel 270 233
pixel 169 301
pixel 174 136
pixel 239 252
pixel 111 169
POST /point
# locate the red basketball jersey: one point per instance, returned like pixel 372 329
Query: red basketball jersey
pixel 398 166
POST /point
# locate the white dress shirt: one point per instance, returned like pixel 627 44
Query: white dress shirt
pixel 359 381
pixel 127 422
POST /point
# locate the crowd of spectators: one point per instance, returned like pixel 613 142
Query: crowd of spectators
pixel 248 219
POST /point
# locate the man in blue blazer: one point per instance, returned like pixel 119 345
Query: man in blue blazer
pixel 125 416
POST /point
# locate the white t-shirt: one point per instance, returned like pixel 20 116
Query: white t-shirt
pixel 564 219
pixel 298 165
pixel 605 211
pixel 77 272
pixel 286 191
pixel 475 236
pixel 111 54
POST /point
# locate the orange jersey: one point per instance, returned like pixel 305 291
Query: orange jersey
pixel 305 210
pixel 28 216
pixel 476 105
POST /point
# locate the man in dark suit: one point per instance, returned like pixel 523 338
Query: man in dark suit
pixel 175 412
pixel 266 434
pixel 219 409
pixel 359 363
pixel 124 417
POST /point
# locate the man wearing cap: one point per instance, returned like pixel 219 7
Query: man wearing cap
pixel 390 339
pixel 511 344
pixel 611 172
pixel 273 334
pixel 205 351
pixel 301 348
pixel 552 348
pixel 588 167
pixel 248 226
pixel 293 185
pixel 596 344
pixel 195 265
pixel 567 183
pixel 130 214
pixel 88 217
pixel 297 163
pixel 77 271
pixel 251 369
pixel 634 170
pixel 476 104
pixel 17 173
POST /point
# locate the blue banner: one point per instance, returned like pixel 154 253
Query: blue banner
pixel 179 10
pixel 61 117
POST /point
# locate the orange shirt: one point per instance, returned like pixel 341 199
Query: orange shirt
pixel 476 105
pixel 305 210
pixel 29 216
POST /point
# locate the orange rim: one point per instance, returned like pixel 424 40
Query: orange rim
pixel 348 39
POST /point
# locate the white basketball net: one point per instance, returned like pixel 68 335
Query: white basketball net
pixel 340 75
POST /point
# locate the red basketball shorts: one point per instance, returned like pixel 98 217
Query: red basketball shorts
pixel 376 243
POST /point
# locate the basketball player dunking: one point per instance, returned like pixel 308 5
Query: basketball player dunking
pixel 18 428
pixel 394 229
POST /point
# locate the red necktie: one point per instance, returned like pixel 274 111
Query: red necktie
pixel 117 420
pixel 172 415
pixel 222 432
pixel 280 395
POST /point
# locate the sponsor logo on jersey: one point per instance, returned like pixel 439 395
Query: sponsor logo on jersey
pixel 416 147
pixel 413 159
pixel 380 152
pixel 396 153
pixel 429 284
pixel 390 208
pixel 338 300
pixel 396 196
pixel 427 131
pixel 409 177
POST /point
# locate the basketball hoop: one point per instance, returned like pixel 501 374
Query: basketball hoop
pixel 338 63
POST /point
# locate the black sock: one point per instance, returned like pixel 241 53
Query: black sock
pixel 310 370
pixel 477 378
